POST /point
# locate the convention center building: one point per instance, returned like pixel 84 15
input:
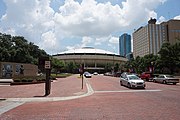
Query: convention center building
pixel 92 59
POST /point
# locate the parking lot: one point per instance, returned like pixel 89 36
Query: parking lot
pixel 109 101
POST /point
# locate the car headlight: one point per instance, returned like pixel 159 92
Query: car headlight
pixel 133 82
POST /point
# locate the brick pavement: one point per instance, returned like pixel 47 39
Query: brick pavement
pixel 62 87
pixel 161 105
pixel 110 106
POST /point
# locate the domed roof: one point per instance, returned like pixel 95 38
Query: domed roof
pixel 87 50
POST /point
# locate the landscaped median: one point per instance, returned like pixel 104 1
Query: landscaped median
pixel 61 75
pixel 21 80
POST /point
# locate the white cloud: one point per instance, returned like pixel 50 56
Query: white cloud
pixel 112 47
pixel 100 40
pixel 49 41
pixel 161 19
pixel 86 41
pixel 114 40
pixel 28 18
pixel 90 20
pixel 177 17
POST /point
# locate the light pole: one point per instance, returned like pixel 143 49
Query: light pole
pixel 152 67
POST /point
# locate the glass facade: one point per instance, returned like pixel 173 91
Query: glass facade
pixel 124 44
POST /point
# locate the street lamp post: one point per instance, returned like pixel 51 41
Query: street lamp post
pixel 152 67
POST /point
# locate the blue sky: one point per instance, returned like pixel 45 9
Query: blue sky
pixel 59 25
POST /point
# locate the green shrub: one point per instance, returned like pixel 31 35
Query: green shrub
pixel 61 75
pixel 28 79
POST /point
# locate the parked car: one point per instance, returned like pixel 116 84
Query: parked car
pixel 146 76
pixel 95 73
pixel 132 81
pixel 166 79
pixel 117 74
pixel 87 75
pixel 108 74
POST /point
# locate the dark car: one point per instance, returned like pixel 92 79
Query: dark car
pixel 117 74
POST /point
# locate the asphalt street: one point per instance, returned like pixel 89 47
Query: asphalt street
pixel 101 99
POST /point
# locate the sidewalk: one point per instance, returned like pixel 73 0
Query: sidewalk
pixel 62 87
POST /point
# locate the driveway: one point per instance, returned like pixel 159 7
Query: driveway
pixel 109 101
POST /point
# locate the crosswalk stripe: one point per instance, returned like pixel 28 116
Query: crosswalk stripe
pixel 123 91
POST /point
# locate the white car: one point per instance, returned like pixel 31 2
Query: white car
pixel 132 81
pixel 87 75
pixel 95 73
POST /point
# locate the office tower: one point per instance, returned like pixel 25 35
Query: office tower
pixel 149 39
pixel 171 31
pixel 124 44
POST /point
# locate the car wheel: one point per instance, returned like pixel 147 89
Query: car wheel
pixel 164 82
pixel 129 85
pixel 121 83
pixel 174 83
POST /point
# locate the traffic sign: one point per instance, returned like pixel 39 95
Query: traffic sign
pixel 47 65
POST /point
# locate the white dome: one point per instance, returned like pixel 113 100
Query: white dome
pixel 87 50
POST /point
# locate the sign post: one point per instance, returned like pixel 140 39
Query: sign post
pixel 81 73
pixel 45 67
pixel 82 82
pixel 48 81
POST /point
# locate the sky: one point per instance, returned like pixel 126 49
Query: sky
pixel 60 25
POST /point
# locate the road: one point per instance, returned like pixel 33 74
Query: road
pixel 110 101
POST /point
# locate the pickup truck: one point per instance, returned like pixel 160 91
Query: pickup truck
pixel 146 76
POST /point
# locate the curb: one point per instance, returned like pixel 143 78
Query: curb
pixel 47 99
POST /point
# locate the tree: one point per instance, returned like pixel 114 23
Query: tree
pixel 71 67
pixel 108 67
pixel 57 64
pixel 137 64
pixel 116 67
pixel 170 56
pixel 141 64
pixel 17 49
pixel 5 44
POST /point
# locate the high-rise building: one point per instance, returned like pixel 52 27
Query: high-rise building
pixel 171 31
pixel 124 44
pixel 149 39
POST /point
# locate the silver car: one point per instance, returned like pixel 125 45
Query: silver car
pixel 132 81
pixel 166 79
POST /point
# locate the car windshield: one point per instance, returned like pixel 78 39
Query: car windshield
pixel 169 76
pixel 86 73
pixel 133 77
